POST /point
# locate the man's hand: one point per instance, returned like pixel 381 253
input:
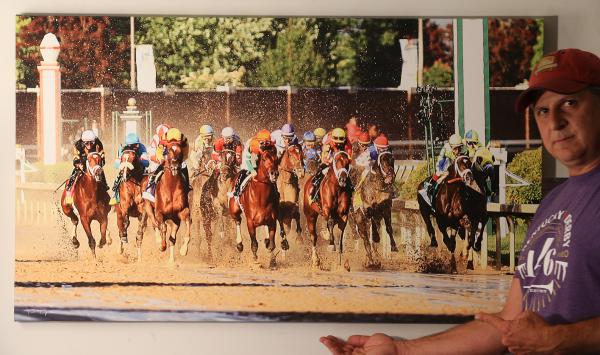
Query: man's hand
pixel 526 334
pixel 376 344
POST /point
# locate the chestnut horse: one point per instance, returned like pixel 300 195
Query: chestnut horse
pixel 214 202
pixel 172 205
pixel 291 170
pixel 259 201
pixel 334 203
pixel 131 203
pixel 91 201
pixel 375 203
pixel 460 204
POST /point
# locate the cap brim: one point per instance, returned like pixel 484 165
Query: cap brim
pixel 560 86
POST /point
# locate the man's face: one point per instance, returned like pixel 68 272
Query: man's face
pixel 310 145
pixel 207 140
pixel 472 144
pixel 456 150
pixel 570 127
pixel 88 145
pixel 373 132
pixel 228 140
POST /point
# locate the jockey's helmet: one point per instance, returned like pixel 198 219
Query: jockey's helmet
pixel 263 135
pixel 364 138
pixel 320 133
pixel 455 141
pixel 338 135
pixel 161 130
pixel 309 136
pixel 132 138
pixel 227 132
pixel 155 141
pixel 288 130
pixel 174 134
pixel 472 137
pixel 88 136
pixel 381 142
pixel 206 130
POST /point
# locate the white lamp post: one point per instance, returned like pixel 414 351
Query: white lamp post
pixel 49 112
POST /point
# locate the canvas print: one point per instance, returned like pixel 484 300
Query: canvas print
pixel 271 168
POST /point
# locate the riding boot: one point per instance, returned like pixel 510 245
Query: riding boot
pixel 186 177
pixel 115 199
pixel 432 189
pixel 106 187
pixel 238 182
pixel 69 186
pixel 316 182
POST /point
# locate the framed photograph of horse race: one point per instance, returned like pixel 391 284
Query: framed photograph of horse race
pixel 271 168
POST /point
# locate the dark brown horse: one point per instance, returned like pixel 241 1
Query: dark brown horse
pixel 334 204
pixel 373 202
pixel 259 202
pixel 91 201
pixel 214 202
pixel 459 204
pixel 172 205
pixel 291 170
pixel 131 203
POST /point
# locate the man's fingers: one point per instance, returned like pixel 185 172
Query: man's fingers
pixel 493 320
pixel 335 345
pixel 358 340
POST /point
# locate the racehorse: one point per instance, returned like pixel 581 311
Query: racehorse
pixel 91 201
pixel 131 203
pixel 291 170
pixel 460 203
pixel 172 205
pixel 334 203
pixel 214 202
pixel 373 202
pixel 259 202
pixel 206 169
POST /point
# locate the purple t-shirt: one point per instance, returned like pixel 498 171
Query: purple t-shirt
pixel 559 266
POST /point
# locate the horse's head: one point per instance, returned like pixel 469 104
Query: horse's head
pixel 228 164
pixel 269 163
pixel 292 158
pixel 462 169
pixel 341 167
pixel 385 163
pixel 94 165
pixel 174 158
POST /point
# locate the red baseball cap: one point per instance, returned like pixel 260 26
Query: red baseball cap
pixel 565 71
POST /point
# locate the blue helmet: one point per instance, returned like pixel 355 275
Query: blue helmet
pixel 132 138
pixel 309 136
pixel 288 130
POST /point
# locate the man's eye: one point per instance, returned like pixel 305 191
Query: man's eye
pixel 571 102
pixel 541 111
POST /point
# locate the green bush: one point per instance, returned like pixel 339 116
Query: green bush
pixel 408 190
pixel 527 165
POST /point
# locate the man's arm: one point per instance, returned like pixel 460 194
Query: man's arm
pixel 475 337
pixel 580 337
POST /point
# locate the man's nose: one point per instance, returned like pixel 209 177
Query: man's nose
pixel 557 119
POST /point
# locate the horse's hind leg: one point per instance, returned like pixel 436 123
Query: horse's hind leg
pixel 185 218
pixel 311 225
pixel 330 225
pixel 172 239
pixel 387 218
pixel 75 221
pixel 88 231
pixel 143 222
pixel 103 226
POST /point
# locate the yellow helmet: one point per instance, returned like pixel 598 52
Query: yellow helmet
pixel 455 140
pixel 174 134
pixel 338 135
pixel 320 132
pixel 206 130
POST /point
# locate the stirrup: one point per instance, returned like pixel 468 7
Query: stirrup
pixel 113 201
pixel 68 199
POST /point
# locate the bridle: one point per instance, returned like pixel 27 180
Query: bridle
pixel 338 171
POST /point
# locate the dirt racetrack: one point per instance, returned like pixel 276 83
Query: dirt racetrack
pixel 53 281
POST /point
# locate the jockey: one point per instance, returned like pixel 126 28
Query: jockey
pixel 335 141
pixel 319 135
pixel 448 154
pixel 288 134
pixel 229 140
pixel 132 142
pixel 203 149
pixel 361 150
pixel 88 143
pixel 482 158
pixel 262 140
pixel 352 130
pixel 173 135
pixel 380 145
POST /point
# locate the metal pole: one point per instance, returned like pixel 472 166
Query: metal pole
pixel 289 104
pixel 420 62
pixel 132 51
pixel 227 105
pixel 102 111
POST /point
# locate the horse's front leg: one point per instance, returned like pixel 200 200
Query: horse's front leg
pixel 173 227
pixel 272 228
pixel 253 241
pixel 85 222
pixel 185 218
pixel 387 219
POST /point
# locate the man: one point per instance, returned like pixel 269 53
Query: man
pixel 203 149
pixel 452 149
pixel 231 141
pixel 88 143
pixel 319 135
pixel 336 142
pixel 132 142
pixel 483 160
pixel 353 129
pixel 254 146
pixel 552 305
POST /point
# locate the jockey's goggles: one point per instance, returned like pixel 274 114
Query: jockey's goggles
pixel 88 144
pixel 338 139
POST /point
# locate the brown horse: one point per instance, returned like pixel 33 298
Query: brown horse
pixel 172 205
pixel 291 170
pixel 199 178
pixel 131 203
pixel 91 201
pixel 259 202
pixel 214 202
pixel 459 204
pixel 373 203
pixel 334 203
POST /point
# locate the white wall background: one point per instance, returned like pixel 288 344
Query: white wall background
pixel 577 27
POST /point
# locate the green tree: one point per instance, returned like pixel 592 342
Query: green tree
pixel 185 46
pixel 294 59
pixel 439 74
